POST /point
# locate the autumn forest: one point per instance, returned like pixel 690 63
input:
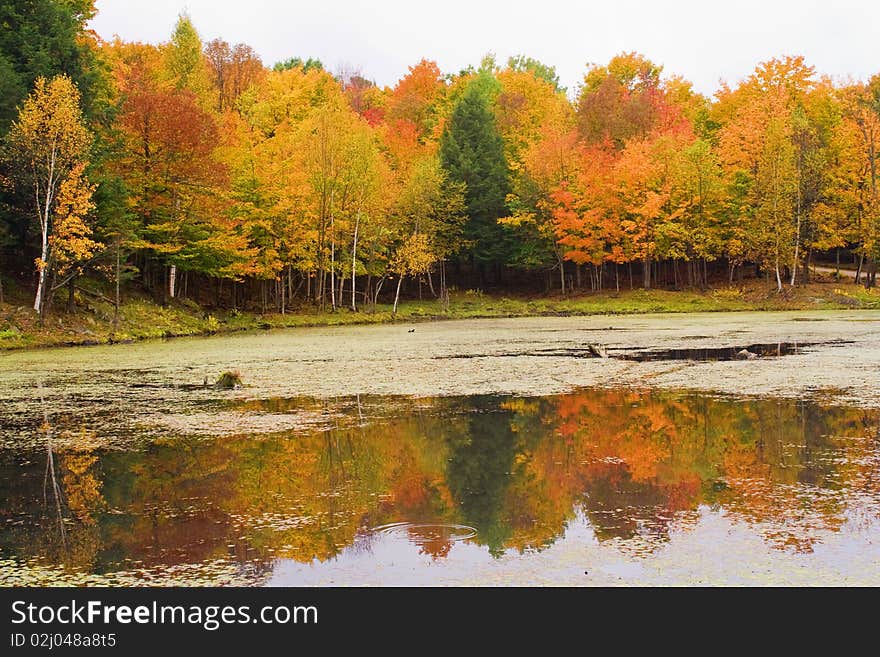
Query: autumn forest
pixel 193 169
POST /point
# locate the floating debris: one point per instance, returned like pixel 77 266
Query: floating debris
pixel 230 380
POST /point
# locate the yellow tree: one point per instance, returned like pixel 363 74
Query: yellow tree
pixel 265 149
pixel 318 168
pixel 524 106
pixel 47 141
pixel 776 129
pixel 283 99
pixel 429 212
pixel 775 193
pixel 364 174
pixel 840 211
pixel 71 243
pixel 547 163
pixel 856 192
pixel 702 190
pixel 184 65
pixel 321 143
pixel 412 257
pixel 758 156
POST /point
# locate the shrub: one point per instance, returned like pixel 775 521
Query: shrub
pixel 727 294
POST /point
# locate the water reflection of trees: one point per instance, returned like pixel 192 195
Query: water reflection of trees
pixel 53 508
pixel 786 465
pixel 636 464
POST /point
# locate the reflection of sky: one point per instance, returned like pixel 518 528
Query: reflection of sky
pixel 710 548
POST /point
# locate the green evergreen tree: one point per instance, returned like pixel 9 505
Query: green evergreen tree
pixel 472 152
pixel 39 38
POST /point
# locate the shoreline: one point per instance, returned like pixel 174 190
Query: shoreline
pixel 144 320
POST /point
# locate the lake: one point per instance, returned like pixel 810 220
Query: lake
pixel 482 452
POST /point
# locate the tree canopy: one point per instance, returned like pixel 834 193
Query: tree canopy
pixel 192 160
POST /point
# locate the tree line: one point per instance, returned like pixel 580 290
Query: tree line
pixel 197 170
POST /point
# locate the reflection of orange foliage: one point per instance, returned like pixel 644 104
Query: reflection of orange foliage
pixel 681 495
pixel 642 458
pixel 82 488
pixel 436 545
pixel 621 425
pixel 410 491
pixel 679 447
pixel 742 461
pixel 633 462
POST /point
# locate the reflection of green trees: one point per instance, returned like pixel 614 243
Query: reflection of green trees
pixel 479 474
pixel 517 470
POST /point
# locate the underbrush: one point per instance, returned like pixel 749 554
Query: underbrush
pixel 141 318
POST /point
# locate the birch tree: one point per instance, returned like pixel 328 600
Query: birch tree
pixel 46 142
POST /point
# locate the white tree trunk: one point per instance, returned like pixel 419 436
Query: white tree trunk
pixel 561 272
pixel 38 301
pixel 172 281
pixel 397 294
pixel 44 234
pixel 354 248
pixel 332 266
pixel 377 291
pixel 797 234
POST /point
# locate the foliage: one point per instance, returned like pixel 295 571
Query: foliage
pixel 71 243
pixel 46 143
pixel 290 186
pixel 44 38
pixel 472 153
pixel 297 62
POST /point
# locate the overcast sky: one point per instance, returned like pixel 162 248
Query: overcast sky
pixel 703 41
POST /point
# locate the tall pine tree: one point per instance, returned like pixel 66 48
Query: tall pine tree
pixel 42 38
pixel 472 152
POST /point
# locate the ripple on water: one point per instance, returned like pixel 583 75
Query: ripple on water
pixel 422 534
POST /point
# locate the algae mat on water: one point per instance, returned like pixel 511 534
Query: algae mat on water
pixel 478 452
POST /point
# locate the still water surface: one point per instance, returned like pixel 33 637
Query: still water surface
pixel 595 486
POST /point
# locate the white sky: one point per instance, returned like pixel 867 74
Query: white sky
pixel 703 41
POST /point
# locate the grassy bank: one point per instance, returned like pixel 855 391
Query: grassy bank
pixel 92 323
